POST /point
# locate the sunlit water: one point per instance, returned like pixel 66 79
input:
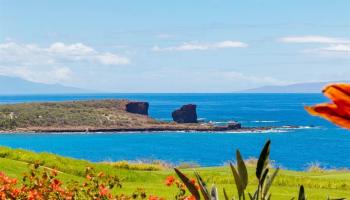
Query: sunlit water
pixel 316 142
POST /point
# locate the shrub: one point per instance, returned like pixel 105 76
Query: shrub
pixel 44 185
pixel 143 166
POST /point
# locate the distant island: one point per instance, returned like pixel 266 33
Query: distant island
pixel 101 116
pixel 14 85
pixel 313 87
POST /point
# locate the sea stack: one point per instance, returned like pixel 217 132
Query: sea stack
pixel 186 114
pixel 137 107
pixel 234 125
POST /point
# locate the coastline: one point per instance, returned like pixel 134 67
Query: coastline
pixel 214 129
pixel 107 115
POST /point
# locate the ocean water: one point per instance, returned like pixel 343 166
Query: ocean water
pixel 317 141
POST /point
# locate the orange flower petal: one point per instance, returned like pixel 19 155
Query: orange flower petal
pixel 332 113
pixel 339 93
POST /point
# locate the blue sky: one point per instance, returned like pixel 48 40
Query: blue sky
pixel 175 46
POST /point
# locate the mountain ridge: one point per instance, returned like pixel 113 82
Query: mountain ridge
pixel 310 87
pixel 14 85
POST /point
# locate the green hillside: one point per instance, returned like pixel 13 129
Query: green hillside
pixel 74 114
pixel 319 185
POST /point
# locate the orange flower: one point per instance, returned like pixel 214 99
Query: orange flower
pixel 169 180
pixel 152 197
pixel 103 190
pixel 56 182
pixel 190 198
pixel 193 181
pixel 337 112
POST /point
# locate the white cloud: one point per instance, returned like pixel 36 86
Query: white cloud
pixel 31 54
pixel 202 46
pixel 77 49
pixel 52 63
pixel 341 48
pixel 233 75
pixel 112 59
pixel 314 39
pixel 331 46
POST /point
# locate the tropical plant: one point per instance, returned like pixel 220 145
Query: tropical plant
pixel 43 184
pixel 240 175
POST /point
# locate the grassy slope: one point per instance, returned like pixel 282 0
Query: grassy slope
pixel 95 113
pixel 318 185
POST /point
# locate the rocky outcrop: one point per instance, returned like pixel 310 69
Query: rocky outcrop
pixel 186 114
pixel 234 125
pixel 137 108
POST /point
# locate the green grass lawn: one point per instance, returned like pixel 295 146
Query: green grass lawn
pixel 319 185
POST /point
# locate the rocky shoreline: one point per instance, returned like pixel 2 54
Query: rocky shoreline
pixel 216 129
pixel 105 116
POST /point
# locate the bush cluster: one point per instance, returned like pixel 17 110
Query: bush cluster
pixel 43 184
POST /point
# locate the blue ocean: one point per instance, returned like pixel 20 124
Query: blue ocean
pixel 315 142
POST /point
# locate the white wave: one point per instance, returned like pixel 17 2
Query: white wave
pixel 265 121
pixel 219 122
pixel 298 127
pixel 258 131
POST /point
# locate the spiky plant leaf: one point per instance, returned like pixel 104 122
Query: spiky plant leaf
pixel 337 199
pixel 263 159
pixel 202 187
pixel 251 197
pixel 255 196
pixel 268 197
pixel 263 177
pixel 214 193
pixel 190 186
pixel 237 180
pixel 225 194
pixel 242 170
pixel 301 193
pixel 269 182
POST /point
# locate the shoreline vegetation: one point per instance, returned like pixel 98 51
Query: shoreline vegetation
pixel 108 115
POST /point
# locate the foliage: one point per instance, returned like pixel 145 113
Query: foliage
pixel 181 187
pixel 144 166
pixel 44 185
pixel 240 175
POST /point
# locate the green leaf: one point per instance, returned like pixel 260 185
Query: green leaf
pixel 301 193
pixel 255 196
pixel 202 187
pixel 225 194
pixel 190 186
pixel 214 193
pixel 263 177
pixel 269 182
pixel 337 198
pixel 263 159
pixel 237 180
pixel 269 197
pixel 242 170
